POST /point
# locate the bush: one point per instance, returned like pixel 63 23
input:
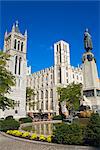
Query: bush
pixel 42 137
pixel 9 125
pixel 49 138
pixel 59 117
pixel 26 134
pixel 92 131
pixel 68 134
pixel 85 114
pixel 25 120
pixel 33 136
pixel 9 117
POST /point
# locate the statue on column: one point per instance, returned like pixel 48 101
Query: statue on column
pixel 87 41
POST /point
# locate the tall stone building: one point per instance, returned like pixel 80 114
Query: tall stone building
pixel 15 44
pixel 45 82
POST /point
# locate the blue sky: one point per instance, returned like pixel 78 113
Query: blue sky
pixel 49 22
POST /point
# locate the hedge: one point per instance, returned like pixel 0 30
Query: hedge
pixel 25 119
pixel 9 125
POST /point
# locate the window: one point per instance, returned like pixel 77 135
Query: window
pixel 16 64
pixel 37 105
pixel 16 111
pixel 67 74
pixel 60 51
pixel 46 94
pixel 18 45
pixel 15 43
pixel 37 95
pixel 51 76
pixel 52 104
pixel 59 75
pixel 22 46
pixel 19 65
pixel 98 92
pixel 41 94
pixel 73 76
pixel 47 105
pixel 42 105
pixel 88 93
pixel 57 48
pixel 51 93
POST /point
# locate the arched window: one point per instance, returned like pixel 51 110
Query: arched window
pixel 15 43
pixel 47 105
pixel 52 104
pixel 19 71
pixel 46 94
pixel 16 64
pixel 37 95
pixel 18 45
pixel 22 46
pixel 41 94
pixel 42 105
pixel 51 93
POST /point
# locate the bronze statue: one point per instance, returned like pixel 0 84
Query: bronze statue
pixel 87 41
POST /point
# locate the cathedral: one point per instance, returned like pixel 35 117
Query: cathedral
pixel 44 82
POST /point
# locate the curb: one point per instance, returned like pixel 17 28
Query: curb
pixel 74 147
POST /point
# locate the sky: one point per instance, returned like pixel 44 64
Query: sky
pixel 50 21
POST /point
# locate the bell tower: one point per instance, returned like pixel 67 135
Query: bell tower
pixel 61 61
pixel 15 44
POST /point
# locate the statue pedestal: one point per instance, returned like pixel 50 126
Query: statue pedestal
pixel 91 86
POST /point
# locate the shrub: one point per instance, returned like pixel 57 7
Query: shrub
pixel 26 134
pixel 18 133
pixel 33 136
pixel 42 137
pixel 92 131
pixel 25 120
pixel 68 134
pixel 9 125
pixel 9 117
pixel 49 138
pixel 85 114
pixel 59 117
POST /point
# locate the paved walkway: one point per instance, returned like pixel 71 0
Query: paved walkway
pixel 8 143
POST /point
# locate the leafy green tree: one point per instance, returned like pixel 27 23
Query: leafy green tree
pixel 7 80
pixel 30 96
pixel 71 94
pixel 92 132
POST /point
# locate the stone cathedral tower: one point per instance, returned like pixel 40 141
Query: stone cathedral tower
pixel 91 83
pixel 61 60
pixel 15 44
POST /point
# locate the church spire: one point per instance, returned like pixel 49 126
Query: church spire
pixel 13 28
pixel 6 33
pixel 25 34
pixel 16 27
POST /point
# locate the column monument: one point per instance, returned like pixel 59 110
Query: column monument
pixel 91 82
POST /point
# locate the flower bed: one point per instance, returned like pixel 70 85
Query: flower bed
pixel 30 136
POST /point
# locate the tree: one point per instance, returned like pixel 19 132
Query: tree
pixel 92 131
pixel 30 96
pixel 7 80
pixel 71 94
